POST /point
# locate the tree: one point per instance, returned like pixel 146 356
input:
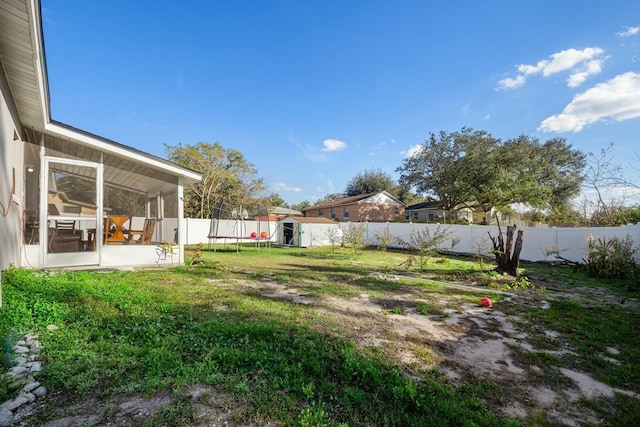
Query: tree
pixel 354 236
pixel 226 176
pixel 427 243
pixel 330 197
pixel 301 205
pixel 384 238
pixel 436 170
pixel 601 176
pixel 334 236
pixel 508 259
pixel 125 202
pixel 373 181
pixel 474 169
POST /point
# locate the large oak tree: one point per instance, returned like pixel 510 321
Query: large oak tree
pixel 474 169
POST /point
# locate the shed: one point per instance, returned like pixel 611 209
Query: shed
pixel 307 232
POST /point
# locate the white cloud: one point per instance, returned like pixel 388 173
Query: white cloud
pixel 592 67
pixel 628 32
pixel 585 63
pixel 616 99
pixel 412 151
pixel 309 152
pixel 510 83
pixel 567 59
pixel 333 145
pixel 281 186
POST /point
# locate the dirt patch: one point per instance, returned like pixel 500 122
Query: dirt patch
pixel 472 338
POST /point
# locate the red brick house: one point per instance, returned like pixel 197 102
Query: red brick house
pixel 380 206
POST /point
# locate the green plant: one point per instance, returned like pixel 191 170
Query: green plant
pixel 196 257
pixel 333 235
pixel 354 236
pixel 384 238
pixel 611 259
pixel 314 416
pixel 426 242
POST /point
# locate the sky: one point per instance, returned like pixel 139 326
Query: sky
pixel 315 92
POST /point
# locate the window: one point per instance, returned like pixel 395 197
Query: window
pixel 333 213
pixel 396 211
pixel 346 212
pixel 320 213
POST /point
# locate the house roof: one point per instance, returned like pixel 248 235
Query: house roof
pixel 361 198
pixel 309 220
pixel 434 204
pixel 25 81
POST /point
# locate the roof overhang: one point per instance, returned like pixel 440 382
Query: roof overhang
pixel 22 56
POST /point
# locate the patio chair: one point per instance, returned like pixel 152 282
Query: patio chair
pixel 64 237
pixel 114 231
pixel 65 227
pixel 146 233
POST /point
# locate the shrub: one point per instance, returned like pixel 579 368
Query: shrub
pixel 611 259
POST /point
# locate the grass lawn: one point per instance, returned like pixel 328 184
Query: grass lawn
pixel 315 337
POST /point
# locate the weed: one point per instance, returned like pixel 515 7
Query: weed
pixel 196 257
pixel 427 309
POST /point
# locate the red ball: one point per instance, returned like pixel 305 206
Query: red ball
pixel 486 302
pixel 253 235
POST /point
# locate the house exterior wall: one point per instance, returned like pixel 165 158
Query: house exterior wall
pixel 360 212
pixel 437 215
pixel 11 155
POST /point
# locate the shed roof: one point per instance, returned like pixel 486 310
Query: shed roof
pixel 309 220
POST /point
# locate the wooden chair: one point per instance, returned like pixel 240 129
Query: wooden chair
pixel 117 233
pixel 146 233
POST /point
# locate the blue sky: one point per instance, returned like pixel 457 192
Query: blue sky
pixel 314 92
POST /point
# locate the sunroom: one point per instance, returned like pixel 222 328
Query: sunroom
pixel 71 198
pixel 101 203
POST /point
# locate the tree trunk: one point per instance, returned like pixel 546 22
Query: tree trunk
pixel 508 261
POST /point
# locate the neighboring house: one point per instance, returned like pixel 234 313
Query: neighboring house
pixel 59 185
pixel 307 232
pixel 434 211
pixel 380 206
pixel 278 213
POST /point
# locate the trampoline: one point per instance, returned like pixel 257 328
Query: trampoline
pixel 229 223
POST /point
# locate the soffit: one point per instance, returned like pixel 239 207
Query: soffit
pixel 118 171
pixel 23 62
pixel 19 47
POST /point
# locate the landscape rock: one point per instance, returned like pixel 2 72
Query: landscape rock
pixel 6 417
pixel 21 376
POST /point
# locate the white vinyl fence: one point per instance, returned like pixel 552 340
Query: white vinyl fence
pixel 571 241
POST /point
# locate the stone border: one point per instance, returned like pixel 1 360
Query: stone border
pixel 25 367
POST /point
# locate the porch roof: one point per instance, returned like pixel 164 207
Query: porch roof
pixel 23 76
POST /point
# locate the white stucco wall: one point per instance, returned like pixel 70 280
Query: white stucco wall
pixel 11 155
